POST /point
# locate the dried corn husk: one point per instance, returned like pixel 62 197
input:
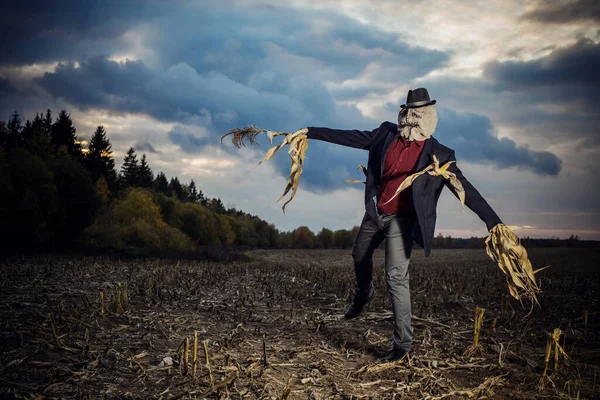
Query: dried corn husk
pixel 364 170
pixel 298 142
pixel 250 132
pixel 434 169
pixel 502 245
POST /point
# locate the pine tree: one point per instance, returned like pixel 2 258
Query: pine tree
pixel 161 185
pixel 129 170
pixel 192 192
pixel 32 129
pixel 36 140
pixel 99 158
pixel 27 132
pixel 47 123
pixel 14 127
pixel 201 198
pixel 144 173
pixel 175 189
pixel 64 134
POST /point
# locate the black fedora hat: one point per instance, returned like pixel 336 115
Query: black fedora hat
pixel 417 98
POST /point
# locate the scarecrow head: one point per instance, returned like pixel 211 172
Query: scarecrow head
pixel 417 118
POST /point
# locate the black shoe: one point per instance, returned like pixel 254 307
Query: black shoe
pixel 357 306
pixel 394 355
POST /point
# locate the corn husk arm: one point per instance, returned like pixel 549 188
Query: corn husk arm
pixel 298 144
pixel 503 246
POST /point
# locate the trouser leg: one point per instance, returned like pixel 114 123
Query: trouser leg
pixel 398 234
pixel 368 238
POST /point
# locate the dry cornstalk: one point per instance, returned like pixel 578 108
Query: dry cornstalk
pixel 502 245
pixel 298 142
pixel 210 375
pixel 476 347
pixel 101 301
pixel 186 356
pixel 551 343
pixel 195 355
pixel 287 390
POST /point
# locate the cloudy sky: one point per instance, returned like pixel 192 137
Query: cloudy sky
pixel 517 86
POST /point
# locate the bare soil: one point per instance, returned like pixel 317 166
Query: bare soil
pixel 273 328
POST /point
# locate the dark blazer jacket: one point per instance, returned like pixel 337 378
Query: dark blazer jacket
pixel 426 188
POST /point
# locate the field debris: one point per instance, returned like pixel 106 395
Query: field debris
pixel 208 330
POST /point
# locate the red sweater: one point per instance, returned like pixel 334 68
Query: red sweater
pixel 400 162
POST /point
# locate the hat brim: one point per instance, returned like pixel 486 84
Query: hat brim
pixel 419 104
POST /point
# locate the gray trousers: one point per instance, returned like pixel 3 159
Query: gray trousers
pixel 397 229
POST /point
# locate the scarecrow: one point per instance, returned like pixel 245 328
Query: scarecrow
pixel 405 175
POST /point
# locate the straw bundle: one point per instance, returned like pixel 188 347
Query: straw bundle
pixel 502 245
pixel 298 142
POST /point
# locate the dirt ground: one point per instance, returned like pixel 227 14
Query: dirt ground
pixel 272 327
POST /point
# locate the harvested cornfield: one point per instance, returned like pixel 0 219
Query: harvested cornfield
pixel 272 328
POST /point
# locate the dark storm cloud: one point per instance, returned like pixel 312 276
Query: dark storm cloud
pixel 43 31
pixel 180 93
pixel 6 87
pixel 472 137
pixel 565 11
pixel 266 47
pixel 574 65
pixel 145 146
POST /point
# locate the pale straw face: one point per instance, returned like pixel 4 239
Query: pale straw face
pixel 417 123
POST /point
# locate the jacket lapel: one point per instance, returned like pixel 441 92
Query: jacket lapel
pixel 425 157
pixel 386 145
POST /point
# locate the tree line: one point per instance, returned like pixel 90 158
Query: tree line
pixel 58 193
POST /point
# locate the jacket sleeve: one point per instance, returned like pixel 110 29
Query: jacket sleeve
pixel 351 138
pixel 473 199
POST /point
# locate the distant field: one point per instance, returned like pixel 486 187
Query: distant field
pixel 274 329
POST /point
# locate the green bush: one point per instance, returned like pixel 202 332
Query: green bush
pixel 136 222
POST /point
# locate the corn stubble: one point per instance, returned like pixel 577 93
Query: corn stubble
pixel 552 343
pixel 476 348
pixel 298 142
